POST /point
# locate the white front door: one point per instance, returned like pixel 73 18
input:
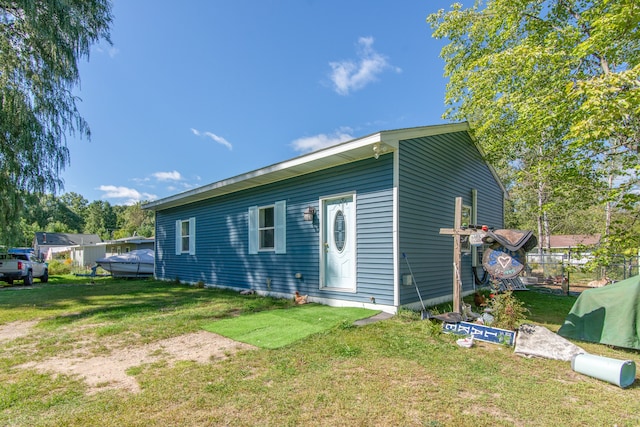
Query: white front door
pixel 338 251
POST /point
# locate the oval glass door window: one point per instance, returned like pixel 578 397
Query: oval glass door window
pixel 339 232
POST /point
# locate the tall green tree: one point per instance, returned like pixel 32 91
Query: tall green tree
pixel 77 207
pixel 41 44
pixel 134 221
pixel 552 91
pixel 100 219
pixel 45 212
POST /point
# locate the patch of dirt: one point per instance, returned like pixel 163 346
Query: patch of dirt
pixel 13 330
pixel 574 290
pixel 109 372
pixel 488 346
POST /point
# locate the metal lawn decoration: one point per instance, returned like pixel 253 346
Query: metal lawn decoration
pixel 505 257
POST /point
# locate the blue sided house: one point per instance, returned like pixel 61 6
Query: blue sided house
pixel 334 224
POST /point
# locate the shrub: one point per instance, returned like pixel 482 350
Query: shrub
pixel 57 267
pixel 508 311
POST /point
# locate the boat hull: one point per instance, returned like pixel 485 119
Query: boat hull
pixel 138 263
pixel 127 269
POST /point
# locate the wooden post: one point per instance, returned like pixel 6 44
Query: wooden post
pixel 456 232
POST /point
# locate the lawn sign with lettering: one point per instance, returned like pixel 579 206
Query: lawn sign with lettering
pixel 481 332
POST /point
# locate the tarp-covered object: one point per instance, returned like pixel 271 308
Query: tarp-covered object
pixel 609 315
pixel 135 263
pixel 538 341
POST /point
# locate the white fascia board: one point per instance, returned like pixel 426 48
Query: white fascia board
pixel 392 137
pixel 345 152
pixel 296 166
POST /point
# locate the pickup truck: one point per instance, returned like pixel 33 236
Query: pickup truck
pixel 22 266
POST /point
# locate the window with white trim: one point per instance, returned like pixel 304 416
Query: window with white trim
pixel 186 236
pixel 268 228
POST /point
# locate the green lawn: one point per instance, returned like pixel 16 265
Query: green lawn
pixel 277 328
pixel 400 371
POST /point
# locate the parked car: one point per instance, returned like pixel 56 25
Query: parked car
pixel 22 265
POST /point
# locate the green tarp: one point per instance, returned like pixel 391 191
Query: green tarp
pixel 608 315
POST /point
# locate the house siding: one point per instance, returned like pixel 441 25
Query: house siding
pixel 433 171
pixel 222 255
pixel 86 256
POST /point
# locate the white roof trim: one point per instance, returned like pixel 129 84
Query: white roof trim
pixel 346 152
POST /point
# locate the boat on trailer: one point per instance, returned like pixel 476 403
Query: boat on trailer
pixel 136 263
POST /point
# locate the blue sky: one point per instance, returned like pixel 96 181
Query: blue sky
pixel 195 92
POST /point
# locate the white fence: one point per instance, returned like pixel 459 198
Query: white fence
pixel 558 266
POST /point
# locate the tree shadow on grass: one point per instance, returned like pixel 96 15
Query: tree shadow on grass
pixel 121 300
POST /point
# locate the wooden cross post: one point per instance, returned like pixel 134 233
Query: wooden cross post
pixel 456 232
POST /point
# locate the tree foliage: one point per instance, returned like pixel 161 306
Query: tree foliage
pixel 100 219
pixel 552 91
pixel 41 43
pixel 133 220
pixel 72 213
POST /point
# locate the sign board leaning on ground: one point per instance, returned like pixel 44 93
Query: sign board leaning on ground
pixel 481 332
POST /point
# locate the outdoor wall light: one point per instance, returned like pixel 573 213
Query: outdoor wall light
pixel 309 213
pixel 379 148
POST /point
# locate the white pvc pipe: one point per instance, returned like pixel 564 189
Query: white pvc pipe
pixel 619 372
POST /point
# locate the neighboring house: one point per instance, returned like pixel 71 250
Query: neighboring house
pixel 86 255
pixel 49 243
pixel 565 242
pixel 572 248
pixel 334 224
pixel 127 244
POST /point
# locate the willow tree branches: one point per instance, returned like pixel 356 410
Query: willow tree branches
pixel 41 44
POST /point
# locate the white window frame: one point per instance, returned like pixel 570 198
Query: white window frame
pixel 189 238
pixel 279 228
pixel 474 219
pixel 466 218
pixel 263 229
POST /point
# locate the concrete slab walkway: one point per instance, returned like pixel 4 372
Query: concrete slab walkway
pixel 376 318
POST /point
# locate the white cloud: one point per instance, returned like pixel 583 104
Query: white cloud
pixel 220 140
pixel 112 51
pixel 130 195
pixel 167 176
pixel 350 75
pixel 180 187
pixel 316 142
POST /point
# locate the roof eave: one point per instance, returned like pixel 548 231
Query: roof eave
pixel 344 153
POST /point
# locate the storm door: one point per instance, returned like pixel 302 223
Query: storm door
pixel 338 243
